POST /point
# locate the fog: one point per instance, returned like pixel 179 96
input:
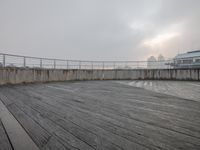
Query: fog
pixel 99 29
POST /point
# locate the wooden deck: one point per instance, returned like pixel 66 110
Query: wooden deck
pixel 103 115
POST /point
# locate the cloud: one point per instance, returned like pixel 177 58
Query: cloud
pixel 160 39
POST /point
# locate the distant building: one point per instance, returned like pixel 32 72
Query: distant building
pixel 151 62
pixel 161 58
pixel 190 59
pixel 161 62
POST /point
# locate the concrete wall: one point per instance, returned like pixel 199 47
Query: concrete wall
pixel 26 75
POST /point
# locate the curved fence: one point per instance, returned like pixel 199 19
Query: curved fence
pixel 9 60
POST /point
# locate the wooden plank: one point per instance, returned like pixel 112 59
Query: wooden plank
pixel 64 133
pixel 54 144
pixel 4 141
pixel 38 134
pixel 18 137
pixel 4 98
pixel 114 140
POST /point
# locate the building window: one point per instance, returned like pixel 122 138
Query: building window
pixel 187 61
pixel 197 60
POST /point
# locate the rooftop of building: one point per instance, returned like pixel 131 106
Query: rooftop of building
pixel 195 53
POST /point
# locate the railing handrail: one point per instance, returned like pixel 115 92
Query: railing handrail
pixel 76 60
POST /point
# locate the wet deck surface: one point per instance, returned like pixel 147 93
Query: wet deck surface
pixel 102 115
pixel 183 89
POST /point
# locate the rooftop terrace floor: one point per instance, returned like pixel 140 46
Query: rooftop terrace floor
pixel 106 115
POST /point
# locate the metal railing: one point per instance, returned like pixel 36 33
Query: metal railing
pixel 9 60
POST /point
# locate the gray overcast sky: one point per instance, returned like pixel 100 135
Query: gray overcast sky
pixel 99 29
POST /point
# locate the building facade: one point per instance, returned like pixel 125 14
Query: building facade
pixel 190 59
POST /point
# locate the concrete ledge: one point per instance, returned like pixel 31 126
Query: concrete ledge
pixel 28 75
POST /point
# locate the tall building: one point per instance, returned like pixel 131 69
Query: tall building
pixel 161 58
pixel 161 62
pixel 151 62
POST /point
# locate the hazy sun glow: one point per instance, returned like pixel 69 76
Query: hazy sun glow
pixel 160 39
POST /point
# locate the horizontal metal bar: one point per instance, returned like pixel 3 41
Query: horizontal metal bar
pixel 88 61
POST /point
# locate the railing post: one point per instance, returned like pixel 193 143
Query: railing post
pixel 92 65
pixel 54 64
pixel 24 62
pixel 67 64
pixel 4 60
pixel 79 65
pixel 41 63
pixel 174 64
pixel 103 65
